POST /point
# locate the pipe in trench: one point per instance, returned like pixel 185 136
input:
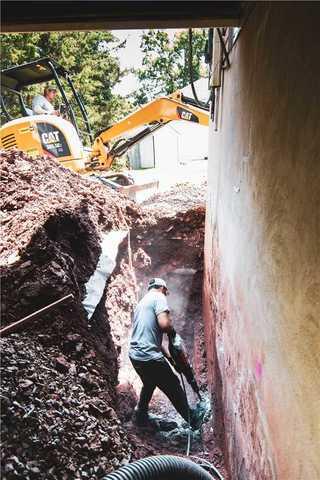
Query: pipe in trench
pixel 160 467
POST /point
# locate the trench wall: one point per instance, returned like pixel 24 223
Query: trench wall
pixel 262 261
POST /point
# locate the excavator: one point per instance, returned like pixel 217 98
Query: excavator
pixel 68 137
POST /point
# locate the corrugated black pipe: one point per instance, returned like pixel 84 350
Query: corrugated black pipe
pixel 161 467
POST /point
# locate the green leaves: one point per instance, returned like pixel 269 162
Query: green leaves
pixel 91 58
pixel 165 66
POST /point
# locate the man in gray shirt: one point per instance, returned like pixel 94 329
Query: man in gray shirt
pixel 149 358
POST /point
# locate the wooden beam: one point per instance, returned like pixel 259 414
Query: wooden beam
pixel 31 16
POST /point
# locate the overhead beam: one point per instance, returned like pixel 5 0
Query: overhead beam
pixel 62 15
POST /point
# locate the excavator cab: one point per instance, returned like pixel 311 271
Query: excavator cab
pixel 63 137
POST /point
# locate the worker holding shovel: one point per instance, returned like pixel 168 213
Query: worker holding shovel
pixel 149 357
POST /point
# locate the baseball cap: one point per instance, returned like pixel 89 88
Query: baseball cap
pixel 157 282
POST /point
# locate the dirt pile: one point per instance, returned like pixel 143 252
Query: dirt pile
pixel 59 374
pixel 51 223
pixel 58 419
pixel 61 401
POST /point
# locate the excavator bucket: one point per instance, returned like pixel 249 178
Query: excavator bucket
pixel 124 184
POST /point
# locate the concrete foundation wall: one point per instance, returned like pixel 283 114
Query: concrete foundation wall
pixel 262 250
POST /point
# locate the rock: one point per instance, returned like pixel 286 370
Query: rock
pixel 141 260
pixel 35 470
pixel 88 381
pixel 105 441
pixel 25 383
pixel 8 468
pixel 12 369
pixel 167 425
pixel 98 408
pixel 127 400
pixel 31 289
pixel 74 337
pixel 25 265
pixel 62 365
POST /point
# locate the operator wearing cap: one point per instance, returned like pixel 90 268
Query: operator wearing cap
pixel 42 104
pixel 148 356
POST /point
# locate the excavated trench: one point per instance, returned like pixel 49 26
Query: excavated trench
pixel 171 248
pixel 68 389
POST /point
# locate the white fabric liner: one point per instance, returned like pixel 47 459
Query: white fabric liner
pixel 107 261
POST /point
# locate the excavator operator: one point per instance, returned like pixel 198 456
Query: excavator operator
pixel 42 104
pixel 150 359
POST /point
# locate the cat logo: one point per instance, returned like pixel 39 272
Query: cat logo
pixel 187 115
pixel 50 137
pixel 53 141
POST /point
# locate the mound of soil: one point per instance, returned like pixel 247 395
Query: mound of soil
pixel 58 419
pixel 51 224
pixel 58 375
pixel 61 402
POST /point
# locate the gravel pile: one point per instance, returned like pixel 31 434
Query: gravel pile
pixel 180 198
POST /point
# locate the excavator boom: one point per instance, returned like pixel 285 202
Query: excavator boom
pixel 153 115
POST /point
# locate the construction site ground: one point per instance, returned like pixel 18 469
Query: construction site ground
pixel 68 388
pixel 192 172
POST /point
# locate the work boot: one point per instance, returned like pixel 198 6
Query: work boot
pixel 144 419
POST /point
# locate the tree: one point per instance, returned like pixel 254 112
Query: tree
pixel 90 57
pixel 165 64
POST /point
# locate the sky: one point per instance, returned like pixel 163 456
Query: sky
pixel 130 57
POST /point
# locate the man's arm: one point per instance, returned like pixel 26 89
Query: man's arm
pixel 165 322
pixel 166 326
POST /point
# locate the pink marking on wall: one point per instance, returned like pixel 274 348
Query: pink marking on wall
pixel 258 370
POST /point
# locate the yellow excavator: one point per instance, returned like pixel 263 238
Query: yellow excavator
pixel 68 137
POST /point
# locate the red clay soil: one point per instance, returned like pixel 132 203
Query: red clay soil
pixel 63 413
pixel 58 375
pixel 172 249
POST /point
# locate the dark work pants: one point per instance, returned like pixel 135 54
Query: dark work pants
pixel 157 373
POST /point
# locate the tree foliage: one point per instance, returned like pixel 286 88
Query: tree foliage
pixel 165 64
pixel 90 57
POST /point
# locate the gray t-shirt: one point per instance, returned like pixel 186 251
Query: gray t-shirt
pixel 146 336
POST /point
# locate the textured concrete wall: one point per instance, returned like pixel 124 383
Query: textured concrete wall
pixel 262 284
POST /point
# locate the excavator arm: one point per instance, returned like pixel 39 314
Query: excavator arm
pixel 153 116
